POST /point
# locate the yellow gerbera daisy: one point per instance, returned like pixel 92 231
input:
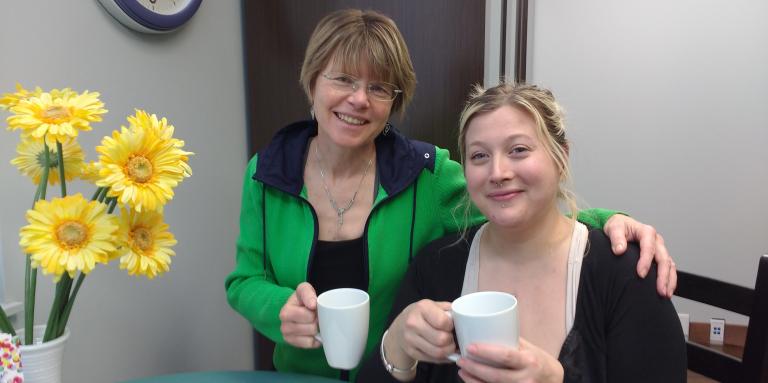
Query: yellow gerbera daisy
pixel 58 115
pixel 160 127
pixel 9 100
pixel 142 165
pixel 68 234
pixel 145 243
pixel 32 157
pixel 90 171
pixel 145 121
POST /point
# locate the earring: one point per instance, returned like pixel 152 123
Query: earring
pixel 387 127
pixel 312 113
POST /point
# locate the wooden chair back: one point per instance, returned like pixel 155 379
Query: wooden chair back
pixel 753 366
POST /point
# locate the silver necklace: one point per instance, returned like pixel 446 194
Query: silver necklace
pixel 340 210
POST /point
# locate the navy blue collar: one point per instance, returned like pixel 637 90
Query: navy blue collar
pixel 399 160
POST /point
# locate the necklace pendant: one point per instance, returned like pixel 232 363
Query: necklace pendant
pixel 340 210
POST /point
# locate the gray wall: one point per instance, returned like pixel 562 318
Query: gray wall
pixel 124 327
pixel 666 105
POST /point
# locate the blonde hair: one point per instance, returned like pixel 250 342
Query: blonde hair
pixel 540 104
pixel 353 37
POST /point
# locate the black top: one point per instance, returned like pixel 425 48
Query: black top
pixel 338 264
pixel 623 331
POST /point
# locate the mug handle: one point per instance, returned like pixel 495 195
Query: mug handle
pixel 455 356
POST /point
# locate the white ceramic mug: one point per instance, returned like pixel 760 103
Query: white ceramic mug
pixel 343 315
pixel 485 317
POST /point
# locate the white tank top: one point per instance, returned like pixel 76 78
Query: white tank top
pixel 575 255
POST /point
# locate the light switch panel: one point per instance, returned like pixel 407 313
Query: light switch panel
pixel 716 331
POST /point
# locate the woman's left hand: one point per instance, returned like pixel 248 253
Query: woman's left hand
pixel 528 364
pixel 621 228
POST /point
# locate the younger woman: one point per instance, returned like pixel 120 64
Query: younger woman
pixel 584 314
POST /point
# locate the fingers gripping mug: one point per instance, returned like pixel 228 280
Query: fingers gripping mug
pixel 485 317
pixel 343 315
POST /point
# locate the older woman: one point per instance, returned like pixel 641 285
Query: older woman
pixel 583 316
pixel 345 200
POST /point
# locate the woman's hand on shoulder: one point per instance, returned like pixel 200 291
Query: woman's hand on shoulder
pixel 298 318
pixel 424 331
pixel 621 229
pixel 528 364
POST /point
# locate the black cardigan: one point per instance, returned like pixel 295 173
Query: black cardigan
pixel 623 331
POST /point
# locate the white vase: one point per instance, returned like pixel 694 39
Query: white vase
pixel 41 362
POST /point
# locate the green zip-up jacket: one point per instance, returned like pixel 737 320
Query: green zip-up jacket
pixel 419 190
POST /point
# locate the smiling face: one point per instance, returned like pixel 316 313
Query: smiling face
pixel 351 37
pixel 511 176
pixel 348 119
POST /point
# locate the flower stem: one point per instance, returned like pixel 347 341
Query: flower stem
pixel 60 300
pixel 29 301
pixel 46 170
pixel 5 323
pixel 112 205
pixel 60 152
pixel 68 308
pixel 37 196
pixel 104 193
pixel 97 193
pixel 30 274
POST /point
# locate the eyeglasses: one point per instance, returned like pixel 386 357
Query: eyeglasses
pixel 382 91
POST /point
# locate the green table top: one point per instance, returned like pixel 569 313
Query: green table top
pixel 234 377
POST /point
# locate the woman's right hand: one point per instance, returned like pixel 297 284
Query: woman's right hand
pixel 298 318
pixel 423 331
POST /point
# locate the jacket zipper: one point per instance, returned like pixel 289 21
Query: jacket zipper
pixel 314 238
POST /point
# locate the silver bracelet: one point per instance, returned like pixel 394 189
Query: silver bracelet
pixel 390 368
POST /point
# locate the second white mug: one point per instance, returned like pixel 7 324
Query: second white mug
pixel 485 317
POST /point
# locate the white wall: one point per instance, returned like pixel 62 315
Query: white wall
pixel 666 108
pixel 124 327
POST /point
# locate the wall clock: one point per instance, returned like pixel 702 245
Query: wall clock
pixel 151 16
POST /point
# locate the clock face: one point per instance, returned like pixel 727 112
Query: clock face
pixel 152 16
pixel 164 7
